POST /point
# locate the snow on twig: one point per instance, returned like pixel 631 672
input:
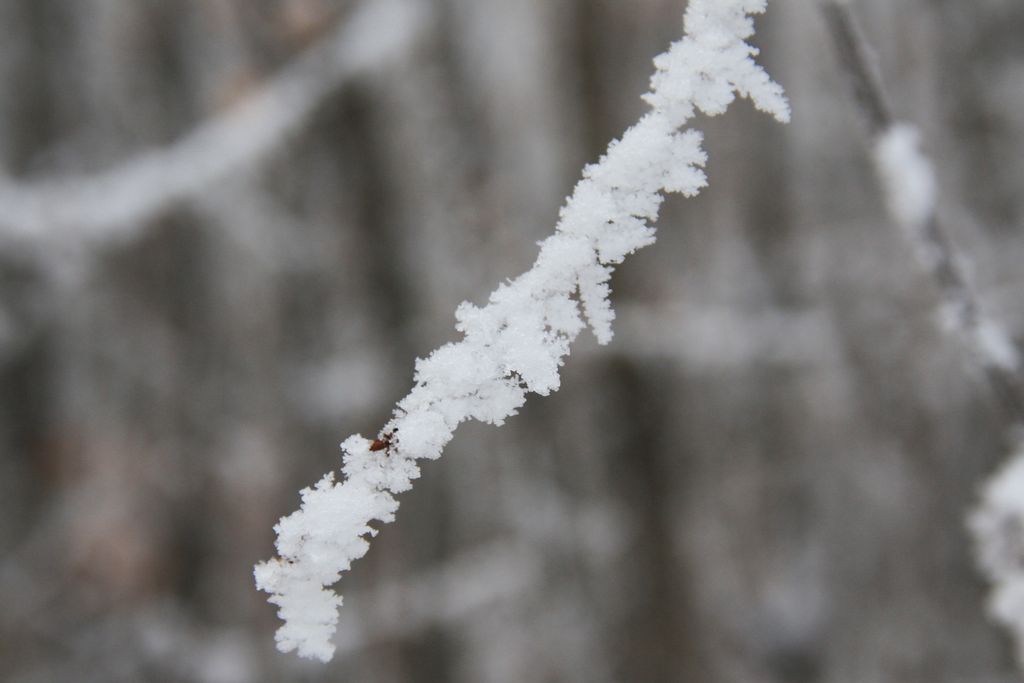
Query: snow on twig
pixel 909 184
pixel 114 204
pixel 908 180
pixel 997 525
pixel 516 343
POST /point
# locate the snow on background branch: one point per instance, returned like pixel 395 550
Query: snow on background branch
pixel 516 343
pixel 998 528
pixel 910 187
pixel 909 184
pixel 114 204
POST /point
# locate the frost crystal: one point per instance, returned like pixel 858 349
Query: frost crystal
pixel 516 343
pixel 907 176
pixel 998 529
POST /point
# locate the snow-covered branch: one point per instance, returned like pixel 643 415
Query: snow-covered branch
pixel 517 342
pixel 909 184
pixel 114 204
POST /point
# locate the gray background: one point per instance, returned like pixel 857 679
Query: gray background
pixel 763 478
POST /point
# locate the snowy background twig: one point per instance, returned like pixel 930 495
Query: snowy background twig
pixel 910 187
pixel 911 191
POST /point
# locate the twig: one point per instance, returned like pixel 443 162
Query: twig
pixel 907 177
pixel 853 51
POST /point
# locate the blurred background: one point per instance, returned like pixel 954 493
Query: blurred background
pixel 228 228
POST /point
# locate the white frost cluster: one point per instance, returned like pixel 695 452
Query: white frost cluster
pixel 995 346
pixel 998 529
pixel 908 178
pixel 911 194
pixel 517 342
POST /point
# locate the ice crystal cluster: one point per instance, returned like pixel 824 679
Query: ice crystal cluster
pixel 516 343
pixel 997 525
